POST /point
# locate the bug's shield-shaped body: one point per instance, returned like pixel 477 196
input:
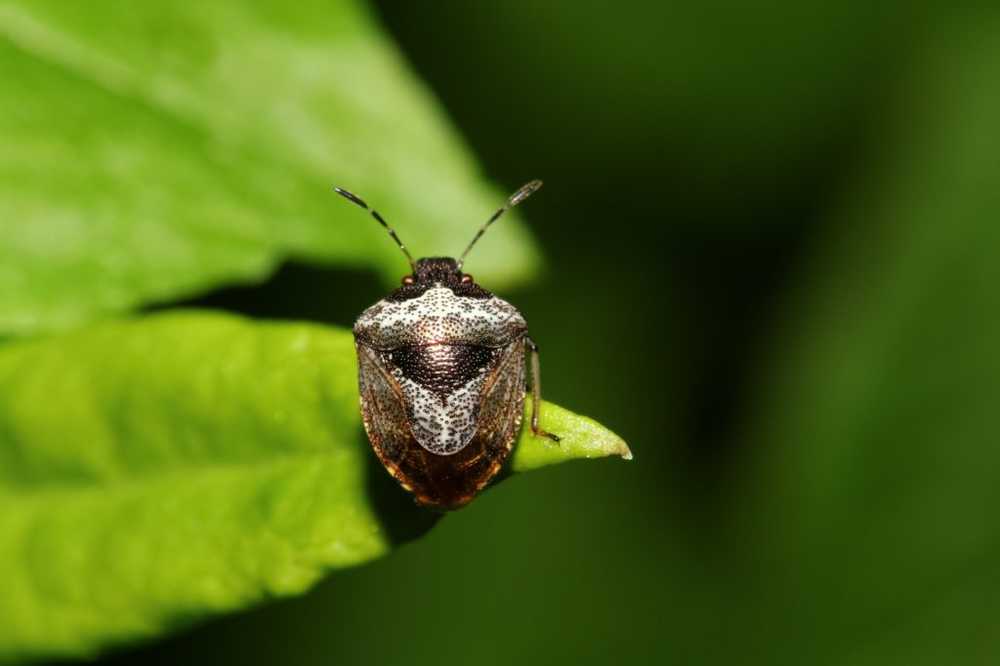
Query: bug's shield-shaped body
pixel 441 375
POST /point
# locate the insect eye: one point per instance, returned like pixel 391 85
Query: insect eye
pixel 466 279
pixel 407 279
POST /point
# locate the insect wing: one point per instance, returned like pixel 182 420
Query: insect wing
pixel 501 404
pixel 383 410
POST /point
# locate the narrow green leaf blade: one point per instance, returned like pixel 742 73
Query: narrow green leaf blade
pixel 155 150
pixel 157 471
pixel 579 437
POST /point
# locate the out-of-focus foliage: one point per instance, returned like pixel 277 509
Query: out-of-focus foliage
pixel 157 471
pixel 723 105
pixel 154 150
pixel 880 430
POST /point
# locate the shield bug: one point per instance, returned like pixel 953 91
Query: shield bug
pixel 441 372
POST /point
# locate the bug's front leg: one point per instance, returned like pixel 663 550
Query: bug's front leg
pixel 536 392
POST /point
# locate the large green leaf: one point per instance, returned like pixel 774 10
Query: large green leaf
pixel 881 432
pixel 154 150
pixel 156 471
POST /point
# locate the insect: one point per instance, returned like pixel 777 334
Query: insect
pixel 441 372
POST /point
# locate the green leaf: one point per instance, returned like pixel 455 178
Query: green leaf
pixel 580 437
pixel 157 471
pixel 881 430
pixel 155 150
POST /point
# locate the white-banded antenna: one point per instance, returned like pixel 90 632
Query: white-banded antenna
pixel 355 199
pixel 514 199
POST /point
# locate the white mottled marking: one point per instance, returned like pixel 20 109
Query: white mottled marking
pixel 443 424
pixel 439 316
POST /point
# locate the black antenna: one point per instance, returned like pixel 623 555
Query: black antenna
pixel 514 199
pixel 353 198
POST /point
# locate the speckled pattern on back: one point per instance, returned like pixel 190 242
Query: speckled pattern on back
pixel 438 316
pixel 443 481
pixel 440 348
pixel 442 422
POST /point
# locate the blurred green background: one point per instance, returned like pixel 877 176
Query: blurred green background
pixel 771 246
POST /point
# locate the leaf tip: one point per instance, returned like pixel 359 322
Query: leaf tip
pixel 581 437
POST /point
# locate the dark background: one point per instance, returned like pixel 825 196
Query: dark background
pixel 696 157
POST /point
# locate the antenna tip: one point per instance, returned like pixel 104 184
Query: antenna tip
pixel 350 197
pixel 525 192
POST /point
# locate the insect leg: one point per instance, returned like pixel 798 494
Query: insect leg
pixel 536 392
